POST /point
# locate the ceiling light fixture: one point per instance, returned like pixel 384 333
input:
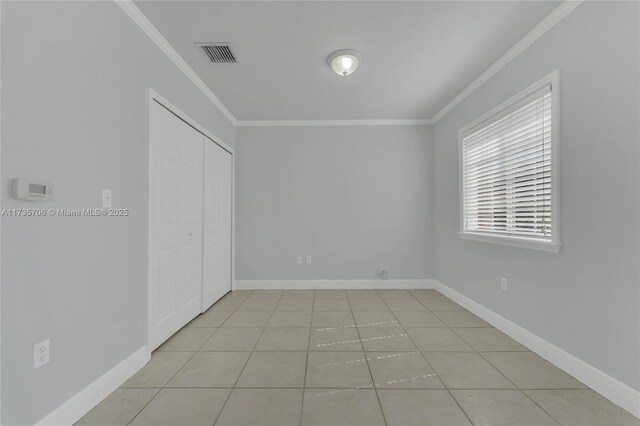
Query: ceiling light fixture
pixel 344 62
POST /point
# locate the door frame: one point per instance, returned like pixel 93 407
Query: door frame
pixel 153 96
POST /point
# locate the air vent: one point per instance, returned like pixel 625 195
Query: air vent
pixel 219 53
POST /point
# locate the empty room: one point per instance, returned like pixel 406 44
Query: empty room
pixel 320 213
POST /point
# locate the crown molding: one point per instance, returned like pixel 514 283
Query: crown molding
pixel 149 29
pixel 538 31
pixel 298 123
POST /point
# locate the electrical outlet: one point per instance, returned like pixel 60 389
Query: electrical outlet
pixel 40 354
pixel 308 260
pixel 299 260
pixel 106 198
pixel 503 282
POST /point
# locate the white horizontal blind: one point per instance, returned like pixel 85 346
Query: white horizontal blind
pixel 507 171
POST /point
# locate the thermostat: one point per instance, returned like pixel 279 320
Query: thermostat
pixel 32 190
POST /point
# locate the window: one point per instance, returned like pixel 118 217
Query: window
pixel 508 162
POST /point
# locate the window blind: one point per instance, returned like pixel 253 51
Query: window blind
pixel 507 171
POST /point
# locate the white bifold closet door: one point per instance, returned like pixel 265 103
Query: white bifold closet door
pixel 175 223
pixel 216 267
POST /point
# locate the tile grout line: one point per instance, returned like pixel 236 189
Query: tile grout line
pixel 313 310
pixel 145 405
pixel 245 364
pixel 306 365
pixel 373 382
pixel 501 373
pixel 356 326
pixel 485 359
pixel 520 390
pixel 422 354
pixel 430 366
pixel 249 357
pixel 180 369
pixel 352 388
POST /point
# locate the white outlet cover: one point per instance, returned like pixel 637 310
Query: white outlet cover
pixel 308 260
pixel 299 260
pixel 503 283
pixel 41 354
pixel 106 198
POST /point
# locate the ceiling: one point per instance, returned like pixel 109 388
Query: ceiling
pixel 416 56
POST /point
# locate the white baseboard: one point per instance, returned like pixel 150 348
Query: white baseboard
pixel 82 402
pixel 612 389
pixel 331 284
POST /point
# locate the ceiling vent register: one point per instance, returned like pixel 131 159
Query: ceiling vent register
pixel 219 53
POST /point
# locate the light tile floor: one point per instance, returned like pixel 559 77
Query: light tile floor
pixel 356 357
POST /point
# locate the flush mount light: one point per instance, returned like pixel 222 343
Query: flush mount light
pixel 344 62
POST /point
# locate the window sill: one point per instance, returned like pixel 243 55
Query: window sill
pixel 526 243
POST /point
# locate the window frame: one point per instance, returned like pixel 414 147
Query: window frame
pixel 495 114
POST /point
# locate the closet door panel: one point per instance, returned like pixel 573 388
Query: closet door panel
pixel 175 224
pixel 217 224
pixel 190 298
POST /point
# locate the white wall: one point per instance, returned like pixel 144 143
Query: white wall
pixel 355 198
pixel 585 299
pixel 74 82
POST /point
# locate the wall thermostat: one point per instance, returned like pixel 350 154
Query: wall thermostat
pixel 32 190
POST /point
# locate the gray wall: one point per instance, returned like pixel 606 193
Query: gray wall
pixel 74 81
pixel 584 299
pixel 355 198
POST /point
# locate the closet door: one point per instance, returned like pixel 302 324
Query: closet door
pixel 175 224
pixel 217 224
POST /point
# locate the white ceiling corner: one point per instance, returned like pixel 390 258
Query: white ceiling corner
pixel 139 18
